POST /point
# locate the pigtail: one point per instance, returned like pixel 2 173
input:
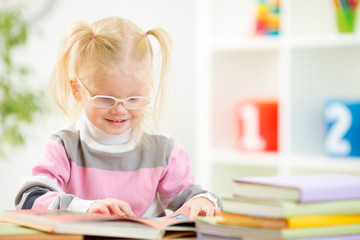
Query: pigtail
pixel 60 88
pixel 165 49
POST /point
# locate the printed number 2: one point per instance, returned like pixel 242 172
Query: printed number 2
pixel 334 142
pixel 251 138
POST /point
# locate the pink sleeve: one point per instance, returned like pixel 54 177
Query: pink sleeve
pixel 53 163
pixel 45 200
pixel 178 175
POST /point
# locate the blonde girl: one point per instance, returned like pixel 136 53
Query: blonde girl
pixel 109 159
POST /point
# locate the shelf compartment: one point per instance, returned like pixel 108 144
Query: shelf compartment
pixel 237 76
pixel 317 76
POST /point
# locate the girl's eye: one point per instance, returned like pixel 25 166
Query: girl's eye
pixel 104 101
pixel 133 99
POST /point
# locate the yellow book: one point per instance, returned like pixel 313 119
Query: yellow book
pixel 290 222
pixel 251 221
pixel 321 220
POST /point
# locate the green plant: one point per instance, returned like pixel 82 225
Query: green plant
pixel 18 103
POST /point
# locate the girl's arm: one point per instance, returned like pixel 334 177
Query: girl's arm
pixel 177 185
pixel 44 189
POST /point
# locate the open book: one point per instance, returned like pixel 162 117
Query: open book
pixel 68 222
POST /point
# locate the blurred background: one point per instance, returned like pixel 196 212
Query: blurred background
pixel 232 59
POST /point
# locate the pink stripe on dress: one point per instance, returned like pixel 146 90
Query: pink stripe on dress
pixel 54 163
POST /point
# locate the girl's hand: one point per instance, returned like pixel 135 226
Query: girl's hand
pixel 201 206
pixel 111 206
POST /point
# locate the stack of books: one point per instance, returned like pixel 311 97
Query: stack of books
pixel 312 207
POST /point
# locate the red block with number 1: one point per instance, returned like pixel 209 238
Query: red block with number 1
pixel 257 123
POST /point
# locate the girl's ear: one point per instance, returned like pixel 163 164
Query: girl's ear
pixel 75 88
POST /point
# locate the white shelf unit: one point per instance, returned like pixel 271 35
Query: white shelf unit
pixel 303 67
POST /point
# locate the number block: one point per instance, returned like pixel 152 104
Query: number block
pixel 257 123
pixel 342 128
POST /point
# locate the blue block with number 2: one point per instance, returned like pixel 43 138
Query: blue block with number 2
pixel 342 128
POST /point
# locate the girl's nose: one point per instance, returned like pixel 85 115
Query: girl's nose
pixel 119 108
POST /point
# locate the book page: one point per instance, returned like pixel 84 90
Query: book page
pixel 180 216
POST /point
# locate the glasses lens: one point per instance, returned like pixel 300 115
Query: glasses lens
pixel 135 102
pixel 104 102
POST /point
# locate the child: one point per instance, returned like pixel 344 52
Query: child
pixel 110 160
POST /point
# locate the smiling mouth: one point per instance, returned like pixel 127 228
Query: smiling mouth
pixel 116 121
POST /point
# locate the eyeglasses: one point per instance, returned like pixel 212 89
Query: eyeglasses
pixel 102 101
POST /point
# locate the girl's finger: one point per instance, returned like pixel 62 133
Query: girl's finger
pixel 194 212
pixel 209 210
pixel 115 209
pixel 217 210
pixel 125 207
pixel 101 209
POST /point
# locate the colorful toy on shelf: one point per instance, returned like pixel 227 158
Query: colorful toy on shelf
pixel 257 123
pixel 346 15
pixel 267 20
pixel 342 128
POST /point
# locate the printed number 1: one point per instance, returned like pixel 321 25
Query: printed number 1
pixel 334 142
pixel 251 139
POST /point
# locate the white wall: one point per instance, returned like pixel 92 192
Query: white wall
pixel 177 17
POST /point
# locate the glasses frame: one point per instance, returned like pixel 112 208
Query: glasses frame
pixel 117 100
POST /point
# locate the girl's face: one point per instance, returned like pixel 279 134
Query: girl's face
pixel 118 119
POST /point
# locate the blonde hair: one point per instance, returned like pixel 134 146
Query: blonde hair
pixel 96 48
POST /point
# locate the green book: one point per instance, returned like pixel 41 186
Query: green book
pixel 10 231
pixel 13 229
pixel 283 208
